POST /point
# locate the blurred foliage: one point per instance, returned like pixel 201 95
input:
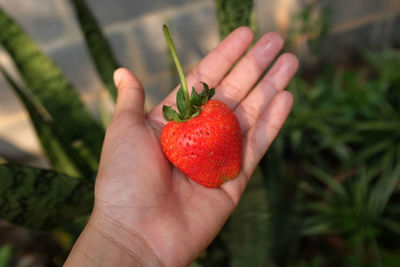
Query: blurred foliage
pixel 57 152
pixel 234 13
pixel 77 129
pixel 244 239
pixel 344 140
pixel 281 190
pixel 332 175
pixel 5 255
pixel 249 245
pixel 310 25
pixel 326 193
pixel 99 48
pixel 71 138
pixel 42 199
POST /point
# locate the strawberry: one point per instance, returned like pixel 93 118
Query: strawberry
pixel 203 140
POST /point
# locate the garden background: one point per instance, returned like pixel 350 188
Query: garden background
pixel 327 192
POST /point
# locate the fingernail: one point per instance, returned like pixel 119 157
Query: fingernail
pixel 117 77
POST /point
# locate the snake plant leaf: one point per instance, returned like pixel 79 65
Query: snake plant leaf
pixel 98 45
pixel 284 223
pixel 5 255
pixel 232 14
pixel 61 156
pixel 247 228
pixel 48 84
pixel 42 199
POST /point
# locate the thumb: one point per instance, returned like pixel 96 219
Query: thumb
pixel 130 99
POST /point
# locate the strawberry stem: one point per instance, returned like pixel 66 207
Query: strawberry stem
pixel 178 67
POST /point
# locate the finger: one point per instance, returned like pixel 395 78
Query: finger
pixel 130 99
pixel 260 136
pixel 258 139
pixel 277 78
pixel 212 68
pixel 249 69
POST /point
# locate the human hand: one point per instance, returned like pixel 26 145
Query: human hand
pixel 146 211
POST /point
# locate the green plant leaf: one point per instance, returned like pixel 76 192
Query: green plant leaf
pixel 391 225
pixel 99 48
pixel 5 255
pixel 377 126
pixel 195 98
pixel 170 114
pixel 247 227
pixel 234 13
pixel 386 62
pixel 383 189
pixel 59 154
pixel 326 179
pixel 284 222
pixel 42 199
pixel 212 93
pixel 47 83
pixel 206 94
pixel 316 225
pixel 181 103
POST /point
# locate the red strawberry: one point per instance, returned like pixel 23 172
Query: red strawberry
pixel 204 140
pixel 208 147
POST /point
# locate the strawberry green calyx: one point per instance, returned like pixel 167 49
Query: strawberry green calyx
pixel 196 101
pixel 188 107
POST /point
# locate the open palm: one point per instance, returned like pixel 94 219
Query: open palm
pixel 141 195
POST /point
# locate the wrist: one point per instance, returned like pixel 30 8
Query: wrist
pixel 105 242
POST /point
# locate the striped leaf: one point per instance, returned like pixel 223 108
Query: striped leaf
pixel 247 228
pixel 98 45
pixel 234 13
pixel 284 221
pixel 42 199
pixel 5 255
pixel 48 84
pixel 60 155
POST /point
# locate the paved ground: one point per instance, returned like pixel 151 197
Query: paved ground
pixel 134 30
